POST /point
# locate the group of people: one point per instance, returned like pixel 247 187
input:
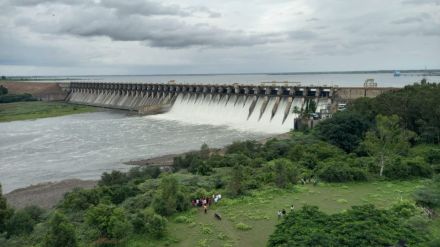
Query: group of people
pixel 282 213
pixel 206 201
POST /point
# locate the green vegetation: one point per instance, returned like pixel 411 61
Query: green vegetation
pixel 39 109
pixel 375 184
pixel 358 226
pixel 5 97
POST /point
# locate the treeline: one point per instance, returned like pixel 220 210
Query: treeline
pixel 5 97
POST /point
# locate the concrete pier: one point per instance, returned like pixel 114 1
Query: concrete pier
pixel 156 98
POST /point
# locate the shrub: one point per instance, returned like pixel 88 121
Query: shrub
pixel 118 193
pixel 109 220
pixel 341 171
pixel 147 222
pixel 358 226
pixel 400 168
pixel 247 148
pixel 169 199
pixel 113 178
pixel 60 233
pixel 344 130
pixel 20 223
pixel 80 199
pixel 429 195
pixel 243 227
pixel 5 211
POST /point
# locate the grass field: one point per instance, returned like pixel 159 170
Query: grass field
pixel 39 109
pixel 258 212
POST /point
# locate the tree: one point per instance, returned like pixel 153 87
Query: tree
pixel 169 199
pixel 109 220
pixel 344 130
pixel 3 90
pixel 359 226
pixel 235 186
pixel 204 151
pixel 386 140
pixel 61 232
pixel 429 195
pixel 5 211
pixel 19 223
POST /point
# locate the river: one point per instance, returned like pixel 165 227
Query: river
pixel 86 145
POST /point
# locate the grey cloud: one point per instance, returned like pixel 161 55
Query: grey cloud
pixel 422 2
pixel 37 2
pixel 312 19
pixel 163 32
pixel 302 35
pixel 20 53
pixel 145 8
pixel 124 8
pixel 407 20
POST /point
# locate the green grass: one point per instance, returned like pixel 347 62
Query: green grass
pixel 39 109
pixel 259 212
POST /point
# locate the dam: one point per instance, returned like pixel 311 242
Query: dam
pixel 276 104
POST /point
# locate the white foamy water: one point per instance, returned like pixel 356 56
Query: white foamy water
pixel 86 145
pixel 234 112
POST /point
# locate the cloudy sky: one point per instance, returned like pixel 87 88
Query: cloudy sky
pixel 78 37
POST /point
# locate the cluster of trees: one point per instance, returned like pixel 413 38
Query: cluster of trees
pixel 5 97
pixel 359 226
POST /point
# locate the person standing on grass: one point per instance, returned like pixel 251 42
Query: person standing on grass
pixel 292 208
pixel 279 214
pixel 205 207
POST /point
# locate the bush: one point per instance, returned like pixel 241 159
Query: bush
pixel 429 195
pixel 243 227
pixel 5 211
pixel 80 199
pixel 113 178
pixel 169 198
pixel 358 226
pixel 10 98
pixel 247 148
pixel 344 130
pixel 401 168
pixel 20 223
pixel 341 171
pixel 3 90
pixel 147 222
pixel 61 233
pixel 109 220
pixel 117 193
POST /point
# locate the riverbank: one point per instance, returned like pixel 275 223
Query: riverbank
pixel 167 160
pixel 45 195
pixel 39 109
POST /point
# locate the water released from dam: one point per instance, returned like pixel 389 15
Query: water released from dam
pixel 246 113
pixel 86 145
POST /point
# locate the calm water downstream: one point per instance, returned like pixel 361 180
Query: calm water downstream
pixel 85 145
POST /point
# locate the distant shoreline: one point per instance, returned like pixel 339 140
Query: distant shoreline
pixel 430 72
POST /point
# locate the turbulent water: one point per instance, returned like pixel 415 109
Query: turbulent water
pixel 85 145
pixel 237 112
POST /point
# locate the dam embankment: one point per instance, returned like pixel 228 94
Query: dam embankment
pixel 45 91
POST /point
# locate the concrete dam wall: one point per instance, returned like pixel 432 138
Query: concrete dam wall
pixel 250 106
